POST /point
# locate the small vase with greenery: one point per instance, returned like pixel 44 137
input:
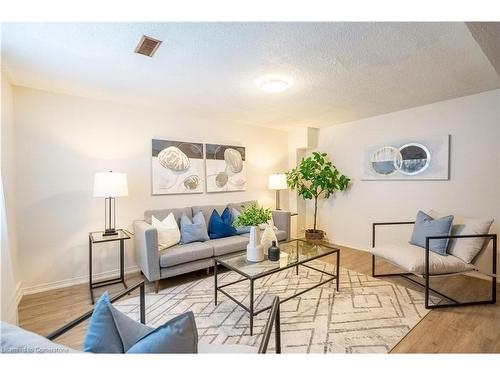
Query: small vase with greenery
pixel 313 178
pixel 252 216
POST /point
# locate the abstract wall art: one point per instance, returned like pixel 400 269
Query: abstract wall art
pixel 411 159
pixel 177 167
pixel 225 168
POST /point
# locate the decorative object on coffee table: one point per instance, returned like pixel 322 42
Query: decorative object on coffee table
pixel 316 177
pixel 277 182
pixel 273 253
pixel 252 216
pixel 110 185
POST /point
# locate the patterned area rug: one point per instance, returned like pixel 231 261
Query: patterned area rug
pixel 367 315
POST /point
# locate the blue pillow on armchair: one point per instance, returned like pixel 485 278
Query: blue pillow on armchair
pixel 426 226
pixel 220 226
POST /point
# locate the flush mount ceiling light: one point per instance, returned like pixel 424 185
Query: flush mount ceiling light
pixel 274 85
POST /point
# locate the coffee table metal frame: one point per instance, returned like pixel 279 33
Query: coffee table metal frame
pixel 250 309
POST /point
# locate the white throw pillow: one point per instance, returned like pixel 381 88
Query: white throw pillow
pixel 267 238
pixel 168 231
pixel 465 248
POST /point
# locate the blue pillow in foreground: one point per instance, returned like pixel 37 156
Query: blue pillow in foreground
pixel 221 226
pixel 178 335
pixel 110 330
pixel 426 226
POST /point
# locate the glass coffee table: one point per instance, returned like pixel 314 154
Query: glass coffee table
pixel 294 253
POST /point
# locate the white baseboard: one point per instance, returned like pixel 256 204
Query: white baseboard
pixel 73 281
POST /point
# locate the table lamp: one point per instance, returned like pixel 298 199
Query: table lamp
pixel 277 182
pixel 109 185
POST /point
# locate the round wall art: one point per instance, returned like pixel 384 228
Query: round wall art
pixel 418 158
pixel 415 158
pixel 409 159
pixel 386 160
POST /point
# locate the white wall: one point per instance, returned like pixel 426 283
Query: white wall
pixel 10 285
pixel 299 141
pixel 473 189
pixel 61 141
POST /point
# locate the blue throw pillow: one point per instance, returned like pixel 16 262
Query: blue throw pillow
pixel 221 226
pixel 239 230
pixel 178 335
pixel 110 330
pixel 426 226
pixel 192 231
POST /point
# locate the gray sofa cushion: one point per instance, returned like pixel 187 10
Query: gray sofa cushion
pixel 228 245
pixel 179 254
pixel 16 340
pixel 280 235
pixel 186 267
pixel 163 213
pixel 207 211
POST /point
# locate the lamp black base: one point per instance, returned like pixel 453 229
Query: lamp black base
pixel 110 232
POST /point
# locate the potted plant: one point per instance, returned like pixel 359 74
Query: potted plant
pixel 316 177
pixel 252 216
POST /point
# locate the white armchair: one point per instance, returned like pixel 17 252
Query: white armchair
pixel 414 260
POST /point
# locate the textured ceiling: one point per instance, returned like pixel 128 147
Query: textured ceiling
pixel 339 71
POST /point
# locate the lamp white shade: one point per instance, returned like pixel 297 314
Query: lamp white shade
pixel 110 184
pixel 277 182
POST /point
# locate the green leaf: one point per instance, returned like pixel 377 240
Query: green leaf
pixel 315 176
pixel 252 216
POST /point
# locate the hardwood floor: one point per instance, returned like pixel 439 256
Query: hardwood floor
pixel 473 329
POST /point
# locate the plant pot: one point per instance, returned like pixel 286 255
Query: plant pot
pixel 255 251
pixel 315 234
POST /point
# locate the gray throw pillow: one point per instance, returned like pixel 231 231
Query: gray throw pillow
pixel 426 226
pixel 178 335
pixel 192 231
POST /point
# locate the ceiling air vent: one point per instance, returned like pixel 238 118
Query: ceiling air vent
pixel 147 46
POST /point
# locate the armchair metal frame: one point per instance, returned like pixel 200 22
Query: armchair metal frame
pixel 427 275
pixel 274 319
pixel 60 331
